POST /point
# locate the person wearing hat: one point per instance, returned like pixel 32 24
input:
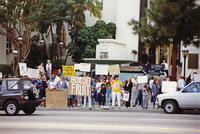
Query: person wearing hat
pixel 48 68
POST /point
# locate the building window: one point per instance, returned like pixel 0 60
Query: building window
pixel 104 55
pixel 8 46
pixel 193 61
pixel 101 4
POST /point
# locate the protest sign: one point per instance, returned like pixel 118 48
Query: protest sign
pixel 1 75
pixel 56 98
pixel 169 86
pixel 101 69
pixel 79 86
pixel 33 73
pixel 142 79
pixel 196 77
pixel 84 67
pixel 23 69
pixel 68 70
pixel 114 69
pixel 76 67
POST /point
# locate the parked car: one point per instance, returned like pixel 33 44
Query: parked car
pixel 18 94
pixel 187 98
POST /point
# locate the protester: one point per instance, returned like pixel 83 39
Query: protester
pixel 116 85
pixel 41 69
pixel 93 96
pixel 108 94
pixel 57 79
pixel 151 86
pixel 181 83
pixel 98 89
pixel 165 67
pixel 52 84
pixel 61 84
pixel 145 97
pixel 48 68
pixel 89 97
pixel 134 90
pixel 44 85
pixel 103 95
pixel 139 96
pixel 155 90
pixel 128 89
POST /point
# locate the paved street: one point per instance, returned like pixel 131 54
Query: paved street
pixel 98 122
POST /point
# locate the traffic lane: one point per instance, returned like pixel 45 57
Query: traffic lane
pixel 59 128
pixel 74 121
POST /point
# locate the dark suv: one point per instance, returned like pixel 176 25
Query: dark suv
pixel 18 94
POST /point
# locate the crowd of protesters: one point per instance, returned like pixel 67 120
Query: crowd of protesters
pixel 106 90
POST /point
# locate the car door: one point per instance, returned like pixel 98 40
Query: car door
pixel 190 96
pixel 1 92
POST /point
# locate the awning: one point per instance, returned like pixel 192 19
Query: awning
pixel 107 61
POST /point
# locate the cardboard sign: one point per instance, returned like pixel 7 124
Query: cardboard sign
pixel 114 69
pixel 23 69
pixel 142 79
pixel 1 75
pixel 169 86
pixel 56 98
pixel 196 77
pixel 33 73
pixel 68 70
pixel 101 69
pixel 79 86
pixel 84 67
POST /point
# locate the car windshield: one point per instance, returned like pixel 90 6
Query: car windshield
pixel 193 88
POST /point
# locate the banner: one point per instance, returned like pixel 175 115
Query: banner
pixel 79 86
pixel 33 73
pixel 142 79
pixel 1 75
pixel 114 69
pixel 196 77
pixel 169 86
pixel 84 67
pixel 101 69
pixel 68 70
pixel 23 69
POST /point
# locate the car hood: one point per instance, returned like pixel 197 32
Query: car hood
pixel 169 94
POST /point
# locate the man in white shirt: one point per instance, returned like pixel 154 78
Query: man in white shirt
pixel 165 66
pixel 41 68
pixel 48 68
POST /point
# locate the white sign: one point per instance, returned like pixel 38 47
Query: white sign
pixel 79 86
pixel 76 67
pixel 101 69
pixel 23 69
pixel 169 86
pixel 84 67
pixel 196 77
pixel 33 73
pixel 1 75
pixel 142 79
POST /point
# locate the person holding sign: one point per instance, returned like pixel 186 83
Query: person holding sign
pixel 116 85
pixel 155 91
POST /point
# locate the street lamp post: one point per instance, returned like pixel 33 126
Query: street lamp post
pixel 20 48
pixel 15 53
pixel 185 53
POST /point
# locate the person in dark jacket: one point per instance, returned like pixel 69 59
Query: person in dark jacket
pixel 144 60
pixel 128 89
pixel 103 95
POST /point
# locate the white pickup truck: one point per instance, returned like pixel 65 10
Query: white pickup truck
pixel 187 98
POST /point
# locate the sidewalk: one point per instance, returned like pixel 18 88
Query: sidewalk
pixel 96 108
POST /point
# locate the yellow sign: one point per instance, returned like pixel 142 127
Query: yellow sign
pixel 68 70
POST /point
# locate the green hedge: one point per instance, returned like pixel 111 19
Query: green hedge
pixel 6 69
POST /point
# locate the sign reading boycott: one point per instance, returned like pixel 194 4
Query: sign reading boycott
pixel 68 71
pixel 23 69
pixel 114 69
pixel 79 86
pixel 33 73
pixel 169 86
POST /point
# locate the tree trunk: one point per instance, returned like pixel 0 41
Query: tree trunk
pixel 174 66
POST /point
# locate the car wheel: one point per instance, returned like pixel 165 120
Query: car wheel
pixel 29 110
pixel 11 108
pixel 170 107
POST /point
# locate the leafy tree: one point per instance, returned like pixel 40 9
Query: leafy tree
pixel 169 21
pixel 84 41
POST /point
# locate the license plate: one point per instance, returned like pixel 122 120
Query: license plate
pixel 26 97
